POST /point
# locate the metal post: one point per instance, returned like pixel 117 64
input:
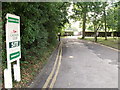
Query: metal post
pixel 8 76
pixel 18 68
pixel 59 34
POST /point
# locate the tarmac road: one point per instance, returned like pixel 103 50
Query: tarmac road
pixel 83 64
pixel 87 65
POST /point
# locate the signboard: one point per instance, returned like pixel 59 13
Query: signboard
pixel 13 49
pixel 13 37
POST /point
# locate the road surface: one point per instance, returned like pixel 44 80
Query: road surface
pixel 83 64
pixel 87 65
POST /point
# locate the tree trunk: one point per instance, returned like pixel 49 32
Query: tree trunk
pixel 95 33
pixel 96 38
pixel 105 24
pixel 112 33
pixel 84 25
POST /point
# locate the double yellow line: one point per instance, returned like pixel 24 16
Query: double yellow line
pixel 53 75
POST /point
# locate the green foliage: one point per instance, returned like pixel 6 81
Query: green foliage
pixel 98 16
pixel 97 13
pixel 40 23
pixel 0 34
pixel 112 17
pixel 81 10
pixel 118 15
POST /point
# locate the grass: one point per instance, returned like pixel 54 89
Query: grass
pixel 111 42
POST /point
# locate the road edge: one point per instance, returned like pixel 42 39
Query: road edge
pixel 40 72
pixel 102 45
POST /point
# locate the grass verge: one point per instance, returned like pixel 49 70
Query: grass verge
pixel 111 42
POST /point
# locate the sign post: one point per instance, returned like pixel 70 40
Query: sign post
pixel 13 49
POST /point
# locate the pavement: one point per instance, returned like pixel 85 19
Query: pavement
pixel 83 65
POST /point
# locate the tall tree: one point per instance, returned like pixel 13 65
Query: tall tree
pixel 96 13
pixel 80 13
pixel 118 15
pixel 112 18
pixel 104 13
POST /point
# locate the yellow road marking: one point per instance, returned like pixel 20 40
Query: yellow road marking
pixel 57 70
pixel 52 72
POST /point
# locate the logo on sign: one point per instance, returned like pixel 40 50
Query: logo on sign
pixel 14 34
pixel 14 31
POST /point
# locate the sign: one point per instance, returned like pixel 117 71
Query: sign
pixel 13 49
pixel 13 37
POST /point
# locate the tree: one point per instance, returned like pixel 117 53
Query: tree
pixel 80 13
pixel 118 25
pixel 112 17
pixel 96 13
pixel 104 14
pixel 40 23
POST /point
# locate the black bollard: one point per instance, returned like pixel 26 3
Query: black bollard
pixel 59 34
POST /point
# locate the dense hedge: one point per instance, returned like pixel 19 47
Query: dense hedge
pixel 40 23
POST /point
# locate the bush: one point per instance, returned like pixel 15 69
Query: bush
pixel 40 23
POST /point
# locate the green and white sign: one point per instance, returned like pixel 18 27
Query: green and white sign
pixel 13 49
pixel 13 37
